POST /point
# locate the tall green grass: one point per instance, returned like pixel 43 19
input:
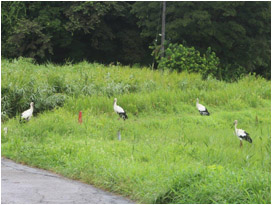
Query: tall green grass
pixel 168 152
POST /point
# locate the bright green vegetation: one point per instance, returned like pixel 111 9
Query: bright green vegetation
pixel 168 152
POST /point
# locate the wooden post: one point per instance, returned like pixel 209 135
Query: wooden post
pixel 163 28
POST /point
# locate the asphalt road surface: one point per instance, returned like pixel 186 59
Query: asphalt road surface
pixel 25 185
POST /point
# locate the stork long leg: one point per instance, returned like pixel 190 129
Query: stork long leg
pixel 241 143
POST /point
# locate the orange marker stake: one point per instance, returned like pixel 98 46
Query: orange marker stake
pixel 80 117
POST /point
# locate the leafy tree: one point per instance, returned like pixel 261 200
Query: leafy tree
pixel 239 32
pixel 35 32
pixel 178 57
pixel 11 12
pixel 95 31
pixel 29 40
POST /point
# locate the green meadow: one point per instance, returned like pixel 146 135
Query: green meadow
pixel 168 152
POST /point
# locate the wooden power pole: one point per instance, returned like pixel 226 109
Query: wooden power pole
pixel 163 28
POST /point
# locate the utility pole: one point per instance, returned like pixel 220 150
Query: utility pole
pixel 163 28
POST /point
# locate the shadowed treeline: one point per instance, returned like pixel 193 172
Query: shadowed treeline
pixel 106 32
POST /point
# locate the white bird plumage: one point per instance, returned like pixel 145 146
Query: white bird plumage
pixel 201 108
pixel 26 115
pixel 120 111
pixel 241 134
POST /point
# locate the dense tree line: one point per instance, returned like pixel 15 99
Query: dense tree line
pixel 238 32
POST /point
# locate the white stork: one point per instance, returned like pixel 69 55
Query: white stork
pixel 201 108
pixel 120 111
pixel 241 134
pixel 26 115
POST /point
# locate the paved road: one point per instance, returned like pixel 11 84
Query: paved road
pixel 25 185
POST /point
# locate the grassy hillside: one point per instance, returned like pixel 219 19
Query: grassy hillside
pixel 168 152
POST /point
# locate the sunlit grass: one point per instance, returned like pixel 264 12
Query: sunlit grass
pixel 168 152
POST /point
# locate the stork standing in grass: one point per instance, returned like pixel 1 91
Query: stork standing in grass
pixel 241 134
pixel 26 115
pixel 201 108
pixel 120 111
